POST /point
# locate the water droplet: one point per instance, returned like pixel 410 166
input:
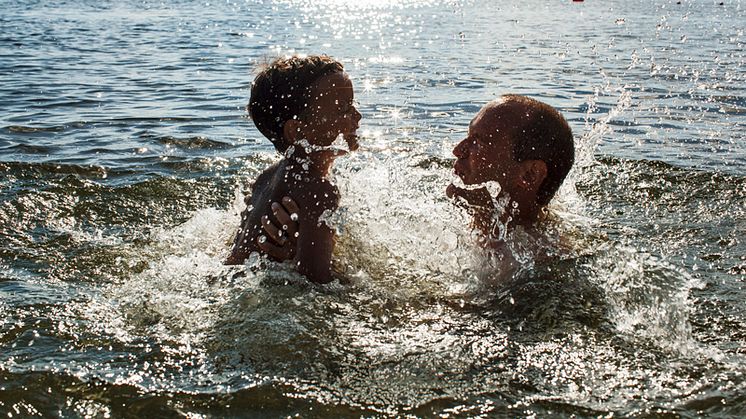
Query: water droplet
pixel 294 216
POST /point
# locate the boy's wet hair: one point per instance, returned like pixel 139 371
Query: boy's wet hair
pixel 282 91
pixel 542 133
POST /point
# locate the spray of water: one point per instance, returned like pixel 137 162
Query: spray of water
pixel 647 296
pixel 403 245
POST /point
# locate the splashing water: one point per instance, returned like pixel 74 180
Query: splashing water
pixel 122 179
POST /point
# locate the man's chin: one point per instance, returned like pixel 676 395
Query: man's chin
pixel 457 184
pixel 455 191
pixel 352 142
pixel 478 196
pixel 452 190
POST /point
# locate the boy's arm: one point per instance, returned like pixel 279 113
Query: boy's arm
pixel 315 237
pixel 241 247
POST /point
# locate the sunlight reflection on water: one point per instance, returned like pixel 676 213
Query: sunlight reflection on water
pixel 126 149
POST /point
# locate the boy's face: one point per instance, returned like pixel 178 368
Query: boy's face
pixel 331 112
pixel 486 154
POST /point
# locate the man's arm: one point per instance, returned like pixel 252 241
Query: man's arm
pixel 241 246
pixel 315 247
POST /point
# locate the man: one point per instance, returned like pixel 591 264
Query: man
pixel 521 144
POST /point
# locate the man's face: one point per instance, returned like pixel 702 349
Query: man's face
pixel 486 153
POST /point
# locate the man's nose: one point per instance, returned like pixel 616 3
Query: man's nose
pixel 460 149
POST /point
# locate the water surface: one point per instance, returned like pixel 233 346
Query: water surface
pixel 125 151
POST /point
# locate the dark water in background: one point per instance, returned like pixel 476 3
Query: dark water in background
pixel 124 148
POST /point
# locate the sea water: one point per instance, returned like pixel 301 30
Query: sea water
pixel 125 154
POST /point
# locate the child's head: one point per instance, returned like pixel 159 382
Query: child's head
pixel 303 98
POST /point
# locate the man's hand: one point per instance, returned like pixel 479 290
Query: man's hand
pixel 281 238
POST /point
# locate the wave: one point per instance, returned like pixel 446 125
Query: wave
pixel 22 129
pixel 189 142
pixel 30 149
pixel 46 170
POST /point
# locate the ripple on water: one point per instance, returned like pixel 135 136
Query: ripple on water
pixel 115 301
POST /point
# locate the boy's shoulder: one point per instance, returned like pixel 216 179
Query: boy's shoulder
pixel 267 177
pixel 271 170
pixel 317 189
pixel 317 195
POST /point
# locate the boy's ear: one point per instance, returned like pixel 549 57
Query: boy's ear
pixel 291 130
pixel 533 173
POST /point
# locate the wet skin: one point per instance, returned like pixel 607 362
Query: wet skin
pixel 302 177
pixel 485 155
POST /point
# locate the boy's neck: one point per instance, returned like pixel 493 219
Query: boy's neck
pixel 315 164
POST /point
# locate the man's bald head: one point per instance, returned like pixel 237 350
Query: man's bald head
pixel 538 132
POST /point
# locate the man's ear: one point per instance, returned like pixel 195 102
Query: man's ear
pixel 291 130
pixel 533 173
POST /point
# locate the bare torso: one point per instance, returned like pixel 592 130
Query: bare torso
pixel 314 196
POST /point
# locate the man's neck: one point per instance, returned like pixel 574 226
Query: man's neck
pixel 491 224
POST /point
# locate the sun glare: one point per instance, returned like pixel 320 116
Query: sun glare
pixel 362 4
pixel 366 3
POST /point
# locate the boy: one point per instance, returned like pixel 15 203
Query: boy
pixel 302 105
